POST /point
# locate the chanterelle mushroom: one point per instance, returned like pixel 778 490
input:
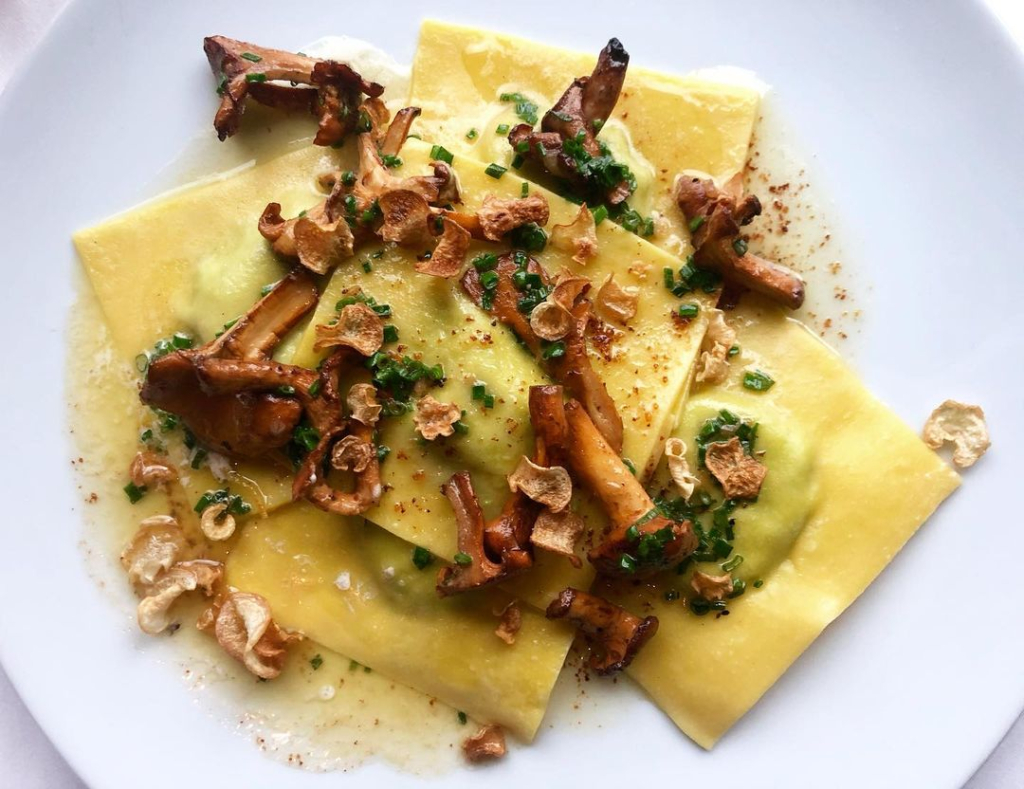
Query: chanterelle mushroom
pixel 639 541
pixel 615 635
pixel 242 424
pixel 567 146
pixel 715 217
pixel 334 91
pixel 500 548
pixel 473 567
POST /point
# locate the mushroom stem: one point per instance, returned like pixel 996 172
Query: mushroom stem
pixel 631 513
pixel 469 520
pixel 615 635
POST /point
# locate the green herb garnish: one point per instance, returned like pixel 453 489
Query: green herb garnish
pixel 134 492
pixel 757 381
pixel 421 557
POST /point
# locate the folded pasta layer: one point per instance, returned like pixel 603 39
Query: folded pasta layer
pixel 848 484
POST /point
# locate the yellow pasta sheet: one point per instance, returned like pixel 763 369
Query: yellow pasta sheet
pixel 646 371
pixel 847 486
pixel 662 124
pixel 352 587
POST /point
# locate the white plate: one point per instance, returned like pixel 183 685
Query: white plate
pixel 914 112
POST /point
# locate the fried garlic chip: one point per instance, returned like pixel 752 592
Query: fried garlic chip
pixel 679 468
pixel 558 532
pixel 551 487
pixel 498 217
pixel 713 365
pixel 615 302
pixel 351 454
pixel 362 403
pixel 449 254
pixel 154 610
pixel 434 418
pixel 711 587
pixel 578 237
pixel 962 425
pixel 739 474
pixel 357 327
pixel 217 523
pixel 246 630
pixel 158 544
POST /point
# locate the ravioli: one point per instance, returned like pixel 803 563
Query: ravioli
pixel 352 587
pixel 848 484
pixel 646 373
pixel 662 124
pixel 193 259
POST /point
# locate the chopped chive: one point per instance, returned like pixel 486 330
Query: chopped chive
pixel 627 563
pixel 740 246
pixel 600 214
pixel 134 492
pixel 739 586
pixel 502 128
pixel 671 595
pixel 555 350
pixel 390 333
pixel 316 661
pixel 629 464
pixel 522 146
pixel 421 557
pixel 734 350
pixel 688 310
pixel 252 57
pixel 488 401
pixel 524 190
pixel 485 262
pixel 517 161
pixel 367 266
pixel 441 153
pixel 733 563
pixel 696 223
pixel 461 427
pixel 287 390
pixel 633 533
pixel 463 559
pixel 495 170
pixel 348 178
pixel 670 277
pixel 255 77
pixel 471 134
pixel 758 381
pixel 391 160
pixel 479 391
pixel 489 279
pixel 199 458
pixel 462 717
pixel 758 583
pixel 314 388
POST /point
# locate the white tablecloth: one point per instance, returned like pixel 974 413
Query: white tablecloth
pixel 29 761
